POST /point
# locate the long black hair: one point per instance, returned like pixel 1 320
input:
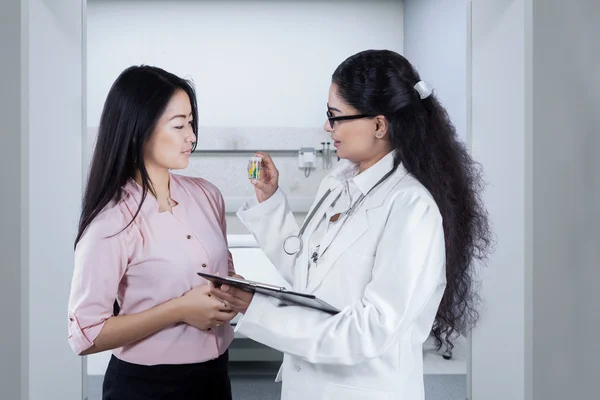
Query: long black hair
pixel 381 82
pixel 135 103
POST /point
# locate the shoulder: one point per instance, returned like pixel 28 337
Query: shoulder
pixel 409 195
pixel 197 184
pixel 201 189
pixel 109 224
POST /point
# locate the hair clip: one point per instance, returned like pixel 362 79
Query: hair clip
pixel 424 88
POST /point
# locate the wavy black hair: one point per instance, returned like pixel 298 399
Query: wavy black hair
pixel 135 103
pixel 381 82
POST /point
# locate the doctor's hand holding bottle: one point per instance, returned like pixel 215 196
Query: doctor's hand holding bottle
pixel 268 183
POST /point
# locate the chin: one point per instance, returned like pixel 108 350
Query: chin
pixel 345 156
pixel 341 154
pixel 180 165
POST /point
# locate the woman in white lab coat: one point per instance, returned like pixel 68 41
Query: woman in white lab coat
pixel 392 242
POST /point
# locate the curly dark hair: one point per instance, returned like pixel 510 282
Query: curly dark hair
pixel 381 82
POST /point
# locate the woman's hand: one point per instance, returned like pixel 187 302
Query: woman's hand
pixel 269 179
pixel 201 310
pixel 237 299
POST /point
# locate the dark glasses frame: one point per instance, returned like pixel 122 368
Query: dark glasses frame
pixel 333 119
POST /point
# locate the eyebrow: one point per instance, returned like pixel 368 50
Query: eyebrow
pixel 332 108
pixel 179 116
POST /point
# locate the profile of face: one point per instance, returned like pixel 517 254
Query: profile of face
pixel 359 139
pixel 170 144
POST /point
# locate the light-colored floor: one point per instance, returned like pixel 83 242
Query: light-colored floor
pixel 434 364
pixel 262 387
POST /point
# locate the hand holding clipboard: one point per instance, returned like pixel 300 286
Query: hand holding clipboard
pixel 279 292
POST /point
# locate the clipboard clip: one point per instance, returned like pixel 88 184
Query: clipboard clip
pixel 256 284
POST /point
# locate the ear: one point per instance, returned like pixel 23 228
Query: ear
pixel 381 127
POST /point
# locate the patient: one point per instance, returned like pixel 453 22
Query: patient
pixel 143 235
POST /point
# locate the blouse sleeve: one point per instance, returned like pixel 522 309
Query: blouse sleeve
pixel 100 263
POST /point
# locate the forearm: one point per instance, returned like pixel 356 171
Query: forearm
pixel 125 329
pixel 271 222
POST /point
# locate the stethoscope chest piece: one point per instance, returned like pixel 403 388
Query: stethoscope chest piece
pixel 292 245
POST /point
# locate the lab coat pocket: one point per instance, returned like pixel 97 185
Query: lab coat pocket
pixel 336 392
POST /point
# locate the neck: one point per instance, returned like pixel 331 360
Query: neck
pixel 366 164
pixel 159 180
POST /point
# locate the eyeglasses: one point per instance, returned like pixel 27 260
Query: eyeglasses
pixel 332 119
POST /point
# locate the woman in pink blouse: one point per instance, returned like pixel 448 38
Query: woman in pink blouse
pixel 144 233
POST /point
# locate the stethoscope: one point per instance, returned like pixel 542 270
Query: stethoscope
pixel 294 243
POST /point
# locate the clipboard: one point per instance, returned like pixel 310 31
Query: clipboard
pixel 287 297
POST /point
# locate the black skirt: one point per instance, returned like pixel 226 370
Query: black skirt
pixel 208 380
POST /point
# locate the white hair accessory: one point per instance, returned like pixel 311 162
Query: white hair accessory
pixel 424 88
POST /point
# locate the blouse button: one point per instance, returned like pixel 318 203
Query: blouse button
pixel 203 265
pixel 189 236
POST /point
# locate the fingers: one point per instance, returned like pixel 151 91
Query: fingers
pixel 222 320
pixel 232 301
pixel 238 294
pixel 267 161
pixel 216 302
pixel 225 317
pixel 268 165
pixel 225 307
pixel 237 305
pixel 226 297
pixel 215 324
pixel 259 185
pixel 238 300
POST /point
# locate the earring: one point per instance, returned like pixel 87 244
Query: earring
pixel 378 134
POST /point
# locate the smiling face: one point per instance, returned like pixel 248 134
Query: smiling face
pixel 359 140
pixel 170 144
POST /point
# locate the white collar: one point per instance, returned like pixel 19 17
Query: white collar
pixel 365 181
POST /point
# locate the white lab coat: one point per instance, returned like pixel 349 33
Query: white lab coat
pixel 385 271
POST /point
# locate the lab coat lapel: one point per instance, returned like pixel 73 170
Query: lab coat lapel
pixel 303 258
pixel 356 226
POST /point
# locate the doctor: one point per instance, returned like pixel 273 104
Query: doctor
pixel 390 241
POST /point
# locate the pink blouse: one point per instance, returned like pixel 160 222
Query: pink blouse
pixel 154 260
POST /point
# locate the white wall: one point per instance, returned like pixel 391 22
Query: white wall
pixel 12 360
pixel 535 129
pixel 254 63
pixel 56 124
pixel 435 42
pixel 262 70
pixel 499 143
pixel 566 196
pixel 42 172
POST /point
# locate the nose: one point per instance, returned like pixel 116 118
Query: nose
pixel 191 137
pixel 327 127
